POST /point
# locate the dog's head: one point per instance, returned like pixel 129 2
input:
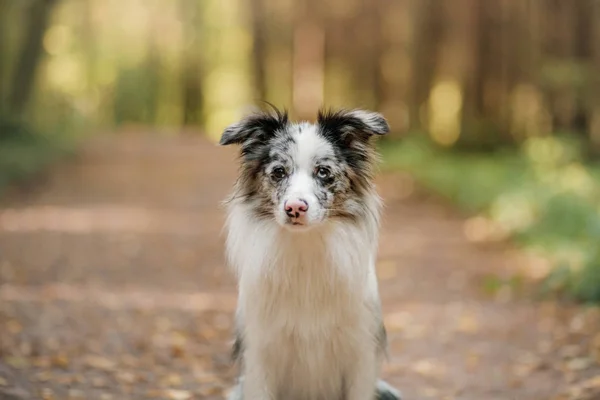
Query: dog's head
pixel 303 174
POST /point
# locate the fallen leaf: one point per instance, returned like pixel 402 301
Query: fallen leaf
pixel 126 377
pixel 570 351
pixel 171 380
pixel 208 333
pixel 430 392
pixel 397 321
pixel 577 323
pixel 60 360
pixel 152 393
pixel 210 390
pixel 428 368
pixel 468 324
pixel 47 394
pixel 99 382
pixel 592 383
pixel 177 351
pixel 41 362
pixel 472 361
pixel 26 348
pixel 579 364
pixel 75 394
pixel 43 376
pixel 178 394
pixel 17 362
pixel 98 362
pixel 14 327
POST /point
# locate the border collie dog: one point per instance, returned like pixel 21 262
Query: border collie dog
pixel 302 236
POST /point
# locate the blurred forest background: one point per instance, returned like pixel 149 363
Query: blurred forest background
pixel 494 104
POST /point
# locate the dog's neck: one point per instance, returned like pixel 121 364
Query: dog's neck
pixel 262 248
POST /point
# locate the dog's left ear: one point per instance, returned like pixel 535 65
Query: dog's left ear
pixel 258 126
pixel 353 123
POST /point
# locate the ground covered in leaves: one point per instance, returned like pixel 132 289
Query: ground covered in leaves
pixel 113 286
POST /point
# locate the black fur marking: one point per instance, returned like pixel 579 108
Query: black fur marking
pixel 349 133
pixel 237 349
pixel 255 129
pixel 386 395
pixel 351 124
pixel 382 340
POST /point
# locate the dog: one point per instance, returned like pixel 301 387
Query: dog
pixel 302 236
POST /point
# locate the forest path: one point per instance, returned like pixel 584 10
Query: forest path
pixel 114 286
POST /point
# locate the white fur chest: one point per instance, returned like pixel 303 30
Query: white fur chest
pixel 304 301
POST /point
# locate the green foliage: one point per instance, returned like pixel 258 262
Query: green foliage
pixel 25 152
pixel 541 194
pixel 135 98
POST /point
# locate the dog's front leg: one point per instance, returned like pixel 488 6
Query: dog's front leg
pixel 256 383
pixel 362 378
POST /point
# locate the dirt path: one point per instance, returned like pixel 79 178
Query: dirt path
pixel 114 287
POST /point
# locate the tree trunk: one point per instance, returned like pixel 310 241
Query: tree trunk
pixel 371 54
pixel 498 62
pixel 31 53
pixel 456 64
pixel 424 47
pixel 259 56
pixel 191 64
pixel 308 60
pixel 394 63
pixel 89 40
pixel 562 37
pixel 594 120
pixel 3 53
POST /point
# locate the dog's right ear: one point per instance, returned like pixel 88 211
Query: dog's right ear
pixel 258 126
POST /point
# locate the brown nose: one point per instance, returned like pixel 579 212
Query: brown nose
pixel 295 208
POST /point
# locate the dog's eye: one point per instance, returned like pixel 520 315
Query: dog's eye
pixel 278 173
pixel 323 173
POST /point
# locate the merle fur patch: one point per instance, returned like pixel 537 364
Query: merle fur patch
pixel 267 141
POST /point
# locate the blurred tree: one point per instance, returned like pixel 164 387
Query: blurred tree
pixel 259 53
pixel 425 36
pixel 367 53
pixel 3 50
pixel 22 84
pixel 89 41
pixel 153 66
pixel 499 70
pixel 395 23
pixel 594 120
pixel 567 27
pixel 584 55
pixel 308 59
pixel 485 121
pixel 191 63
pixel 136 98
pixel 446 115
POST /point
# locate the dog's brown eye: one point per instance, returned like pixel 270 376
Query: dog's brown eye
pixel 323 173
pixel 278 173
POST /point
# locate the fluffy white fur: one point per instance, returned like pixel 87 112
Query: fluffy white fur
pixel 308 310
pixel 296 289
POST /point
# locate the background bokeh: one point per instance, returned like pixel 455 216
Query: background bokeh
pixel 112 270
pixel 508 91
pixel 473 72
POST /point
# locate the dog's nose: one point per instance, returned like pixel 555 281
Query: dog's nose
pixel 295 208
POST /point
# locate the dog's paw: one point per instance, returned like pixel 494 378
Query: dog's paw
pixel 385 391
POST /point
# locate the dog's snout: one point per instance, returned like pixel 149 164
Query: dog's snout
pixel 296 208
